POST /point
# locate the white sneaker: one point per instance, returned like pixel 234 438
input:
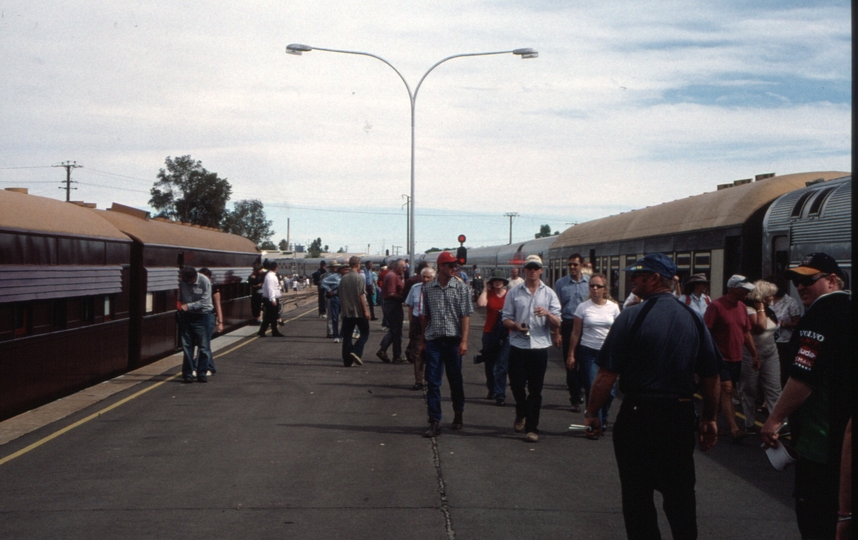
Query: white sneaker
pixel 336 340
pixel 194 373
pixel 208 373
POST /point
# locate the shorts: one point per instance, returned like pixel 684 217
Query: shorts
pixel 731 371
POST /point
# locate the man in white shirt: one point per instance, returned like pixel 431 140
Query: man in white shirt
pixel 530 311
pixel 270 302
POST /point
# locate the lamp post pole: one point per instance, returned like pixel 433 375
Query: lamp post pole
pixel 297 49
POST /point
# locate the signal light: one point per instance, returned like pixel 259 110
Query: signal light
pixel 462 251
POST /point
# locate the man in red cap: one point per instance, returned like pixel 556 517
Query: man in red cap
pixel 446 322
pixel 818 394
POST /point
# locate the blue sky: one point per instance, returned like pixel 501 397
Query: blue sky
pixel 629 104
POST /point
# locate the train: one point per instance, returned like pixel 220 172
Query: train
pixel 89 294
pixel 755 227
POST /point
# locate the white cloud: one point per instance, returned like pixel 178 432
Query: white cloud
pixel 628 104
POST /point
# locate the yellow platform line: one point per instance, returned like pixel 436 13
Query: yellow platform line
pixel 123 401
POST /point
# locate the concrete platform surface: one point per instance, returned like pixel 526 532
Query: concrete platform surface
pixel 285 442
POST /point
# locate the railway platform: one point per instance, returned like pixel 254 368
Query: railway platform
pixel 284 442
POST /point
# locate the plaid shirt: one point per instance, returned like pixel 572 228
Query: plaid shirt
pixel 445 307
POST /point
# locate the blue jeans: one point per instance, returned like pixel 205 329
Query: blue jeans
pixel 195 332
pixel 443 354
pixel 586 357
pixel 496 368
pixel 349 325
pixel 334 316
pixel 205 358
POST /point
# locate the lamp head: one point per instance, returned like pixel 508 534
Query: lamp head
pixel 297 49
pixel 526 53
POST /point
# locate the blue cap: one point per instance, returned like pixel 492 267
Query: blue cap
pixel 657 263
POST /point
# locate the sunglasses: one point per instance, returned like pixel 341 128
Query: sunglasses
pixel 644 275
pixel 574 264
pixel 595 286
pixel 451 265
pixel 808 281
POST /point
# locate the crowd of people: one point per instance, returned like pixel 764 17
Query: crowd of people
pixel 751 347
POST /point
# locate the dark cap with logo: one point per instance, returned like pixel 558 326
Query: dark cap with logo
pixel 657 263
pixel 814 263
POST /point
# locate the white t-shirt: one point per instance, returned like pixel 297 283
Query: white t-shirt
pixel 597 321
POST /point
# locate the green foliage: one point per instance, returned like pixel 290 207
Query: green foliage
pixel 268 245
pixel 283 245
pixel 186 191
pixel 315 248
pixel 248 220
pixel 545 232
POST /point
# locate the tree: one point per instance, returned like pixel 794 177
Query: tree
pixel 248 220
pixel 545 232
pixel 315 249
pixel 341 250
pixel 283 245
pixel 268 245
pixel 186 191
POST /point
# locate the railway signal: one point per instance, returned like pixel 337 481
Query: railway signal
pixel 462 251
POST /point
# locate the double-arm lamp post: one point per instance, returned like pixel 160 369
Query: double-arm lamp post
pixel 297 49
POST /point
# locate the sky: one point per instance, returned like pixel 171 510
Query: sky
pixel 629 104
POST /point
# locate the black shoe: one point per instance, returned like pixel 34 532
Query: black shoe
pixel 276 334
pixel 457 422
pixel 417 386
pixel 383 356
pixel 433 431
pixel 491 395
pixel 188 380
pixel 202 379
pixel 260 334
pixel 500 402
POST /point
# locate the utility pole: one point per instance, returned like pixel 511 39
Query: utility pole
pixel 511 215
pixel 68 165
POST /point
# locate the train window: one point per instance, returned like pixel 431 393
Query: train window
pixel 799 205
pixel 58 314
pixel 683 260
pixel 820 199
pixel 614 277
pixel 87 309
pixel 150 302
pixel 702 261
pixel 23 319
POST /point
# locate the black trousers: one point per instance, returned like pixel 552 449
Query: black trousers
pixel 526 378
pixel 654 444
pixel 269 317
pixel 816 498
pixel 395 318
pixel 573 381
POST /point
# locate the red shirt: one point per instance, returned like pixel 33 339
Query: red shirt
pixel 728 321
pixel 391 287
pixel 494 305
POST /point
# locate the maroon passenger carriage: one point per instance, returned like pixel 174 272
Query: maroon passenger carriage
pixel 86 295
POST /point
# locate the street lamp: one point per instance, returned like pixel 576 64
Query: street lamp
pixel 297 49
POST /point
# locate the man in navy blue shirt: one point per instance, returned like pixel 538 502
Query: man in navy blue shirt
pixel 658 346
